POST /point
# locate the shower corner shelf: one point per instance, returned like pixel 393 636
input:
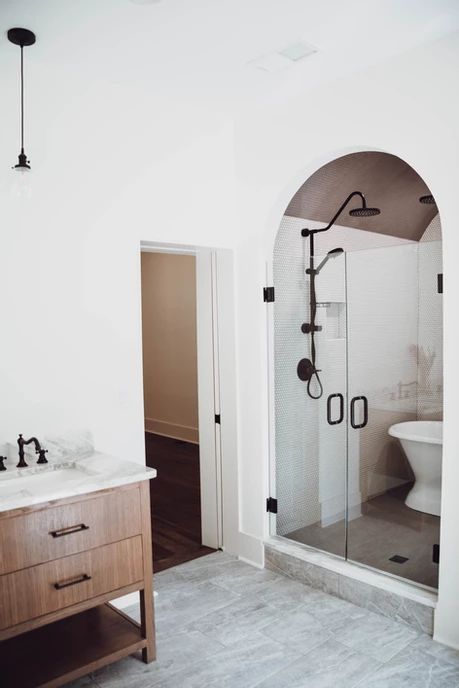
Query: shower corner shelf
pixel 335 321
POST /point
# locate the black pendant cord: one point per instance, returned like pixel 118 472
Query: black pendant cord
pixel 22 99
pixel 22 38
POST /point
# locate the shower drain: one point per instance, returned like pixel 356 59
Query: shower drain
pixel 398 559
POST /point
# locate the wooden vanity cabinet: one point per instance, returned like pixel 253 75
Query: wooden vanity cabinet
pixel 60 565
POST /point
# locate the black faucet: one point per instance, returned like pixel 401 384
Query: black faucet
pixel 38 450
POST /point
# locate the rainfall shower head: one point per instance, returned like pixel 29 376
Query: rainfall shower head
pixel 427 200
pixel 364 212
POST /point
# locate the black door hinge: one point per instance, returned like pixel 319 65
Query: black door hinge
pixel 271 505
pixel 440 283
pixel 268 294
pixel 217 418
pixel 436 554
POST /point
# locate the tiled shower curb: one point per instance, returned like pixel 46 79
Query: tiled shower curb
pixel 295 563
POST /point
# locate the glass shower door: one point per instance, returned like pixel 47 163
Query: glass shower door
pixel 341 480
pixel 383 351
pixel 310 433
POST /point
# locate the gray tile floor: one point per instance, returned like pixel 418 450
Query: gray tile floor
pixel 224 624
pixel 386 527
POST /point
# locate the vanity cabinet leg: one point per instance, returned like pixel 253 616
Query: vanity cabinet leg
pixel 148 625
pixel 147 616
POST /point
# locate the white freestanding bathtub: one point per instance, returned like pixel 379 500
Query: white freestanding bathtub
pixel 422 442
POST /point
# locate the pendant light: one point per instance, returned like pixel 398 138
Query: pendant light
pixel 22 37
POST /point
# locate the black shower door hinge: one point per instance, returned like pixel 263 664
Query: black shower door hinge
pixel 440 283
pixel 217 418
pixel 271 505
pixel 436 554
pixel 268 294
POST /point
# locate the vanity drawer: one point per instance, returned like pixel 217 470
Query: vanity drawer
pixel 40 590
pixel 55 532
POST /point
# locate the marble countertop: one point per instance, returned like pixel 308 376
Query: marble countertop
pixel 65 477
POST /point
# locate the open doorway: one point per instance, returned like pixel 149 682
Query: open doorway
pixel 171 402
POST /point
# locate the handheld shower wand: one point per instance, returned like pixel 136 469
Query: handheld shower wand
pixel 308 367
pixel 331 254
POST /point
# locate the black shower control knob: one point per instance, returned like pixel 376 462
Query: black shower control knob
pixel 305 369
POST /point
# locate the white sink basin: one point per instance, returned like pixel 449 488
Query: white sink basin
pixel 34 482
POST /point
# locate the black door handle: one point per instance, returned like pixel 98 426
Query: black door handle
pixel 329 409
pixel 355 425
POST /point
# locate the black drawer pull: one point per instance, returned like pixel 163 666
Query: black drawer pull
pixel 355 425
pixel 74 581
pixel 329 409
pixel 69 530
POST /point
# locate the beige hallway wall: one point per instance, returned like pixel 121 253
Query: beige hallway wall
pixel 169 344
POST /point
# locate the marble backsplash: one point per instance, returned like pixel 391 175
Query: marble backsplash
pixel 75 444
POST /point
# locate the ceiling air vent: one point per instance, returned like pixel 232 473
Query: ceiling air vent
pixel 285 58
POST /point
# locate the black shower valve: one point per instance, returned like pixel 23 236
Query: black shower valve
pixel 306 369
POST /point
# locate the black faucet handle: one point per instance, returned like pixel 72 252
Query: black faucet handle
pixel 2 459
pixel 41 456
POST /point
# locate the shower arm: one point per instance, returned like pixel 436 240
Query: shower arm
pixel 311 232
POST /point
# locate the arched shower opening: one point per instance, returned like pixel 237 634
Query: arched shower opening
pixel 357 271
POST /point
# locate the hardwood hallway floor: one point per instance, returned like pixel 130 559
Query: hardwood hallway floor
pixel 175 501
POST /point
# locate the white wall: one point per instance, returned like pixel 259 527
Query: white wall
pixel 71 266
pixel 72 357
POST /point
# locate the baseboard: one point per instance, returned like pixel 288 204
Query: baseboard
pixel 252 563
pixel 172 430
pixel 445 641
pixel 251 550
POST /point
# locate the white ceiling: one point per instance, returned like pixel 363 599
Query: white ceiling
pixel 195 53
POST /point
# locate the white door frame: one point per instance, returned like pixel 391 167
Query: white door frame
pixel 209 400
pixel 216 391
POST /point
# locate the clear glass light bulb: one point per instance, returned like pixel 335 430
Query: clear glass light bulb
pixel 21 186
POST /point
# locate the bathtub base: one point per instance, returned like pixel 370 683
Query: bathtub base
pixel 424 498
pixel 425 461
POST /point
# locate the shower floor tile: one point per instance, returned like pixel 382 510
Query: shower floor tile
pixel 386 529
